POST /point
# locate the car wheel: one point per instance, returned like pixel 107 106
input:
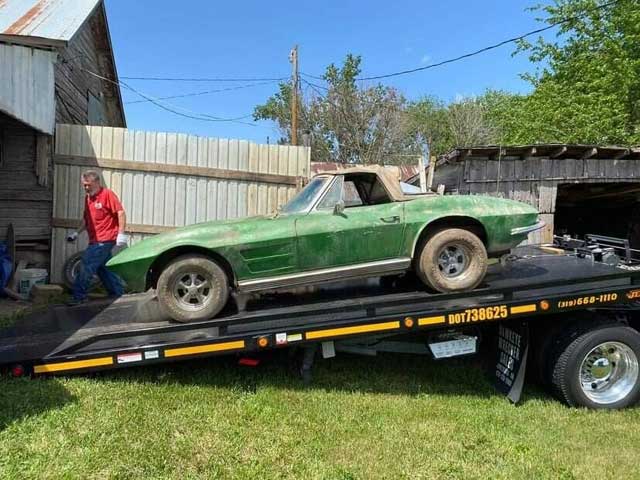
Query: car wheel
pixel 452 259
pixel 192 288
pixel 72 268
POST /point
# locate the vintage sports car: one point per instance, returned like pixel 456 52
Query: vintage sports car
pixel 351 223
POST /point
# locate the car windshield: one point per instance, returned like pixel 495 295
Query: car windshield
pixel 302 201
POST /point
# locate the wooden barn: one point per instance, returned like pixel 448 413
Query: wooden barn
pixel 577 189
pixel 47 48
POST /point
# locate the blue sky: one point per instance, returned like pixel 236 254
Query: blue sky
pixel 252 39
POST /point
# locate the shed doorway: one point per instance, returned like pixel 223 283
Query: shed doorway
pixel 611 209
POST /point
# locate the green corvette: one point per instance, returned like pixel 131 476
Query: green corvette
pixel 352 223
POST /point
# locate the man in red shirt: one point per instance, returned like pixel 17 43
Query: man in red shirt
pixel 104 220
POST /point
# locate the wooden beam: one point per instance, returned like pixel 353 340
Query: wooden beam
pixel 177 170
pixel 590 152
pixel 43 154
pixel 558 152
pixel 499 152
pixel 464 153
pixel 131 227
pixel 621 154
pixel 528 153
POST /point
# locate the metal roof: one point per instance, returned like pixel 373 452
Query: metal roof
pixel 43 22
pixel 550 150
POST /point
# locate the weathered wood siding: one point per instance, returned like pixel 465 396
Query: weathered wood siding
pixel 90 50
pixel 208 186
pixel 23 201
pixel 26 85
pixel 532 180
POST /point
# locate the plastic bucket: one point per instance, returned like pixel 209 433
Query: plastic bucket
pixel 27 278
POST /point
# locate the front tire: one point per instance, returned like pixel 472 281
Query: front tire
pixel 452 260
pixel 598 369
pixel 192 288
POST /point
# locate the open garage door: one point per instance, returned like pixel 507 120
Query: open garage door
pixel 603 208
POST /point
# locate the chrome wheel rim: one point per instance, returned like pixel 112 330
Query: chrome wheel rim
pixel 609 372
pixel 192 291
pixel 452 260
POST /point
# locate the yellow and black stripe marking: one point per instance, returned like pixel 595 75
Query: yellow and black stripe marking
pixel 530 308
pixel 432 320
pixel 372 327
pixel 74 365
pixel 210 347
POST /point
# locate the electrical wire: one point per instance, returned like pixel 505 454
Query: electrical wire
pixel 204 79
pixel 476 52
pixel 193 115
pixel 206 92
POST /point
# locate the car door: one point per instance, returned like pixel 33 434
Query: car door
pixel 323 237
pixel 382 230
pixel 360 233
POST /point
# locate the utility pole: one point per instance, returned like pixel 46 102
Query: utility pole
pixel 293 58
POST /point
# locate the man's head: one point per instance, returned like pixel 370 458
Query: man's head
pixel 91 182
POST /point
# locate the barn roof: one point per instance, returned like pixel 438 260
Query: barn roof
pixel 46 23
pixel 548 150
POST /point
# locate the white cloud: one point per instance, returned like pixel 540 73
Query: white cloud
pixel 425 59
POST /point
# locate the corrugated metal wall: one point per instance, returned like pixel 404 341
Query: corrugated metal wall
pixel 157 200
pixel 27 85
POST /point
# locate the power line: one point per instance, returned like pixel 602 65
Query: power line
pixel 314 87
pixel 477 52
pixel 313 84
pixel 206 92
pixel 196 116
pixel 204 79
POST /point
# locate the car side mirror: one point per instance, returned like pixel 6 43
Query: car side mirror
pixel 339 208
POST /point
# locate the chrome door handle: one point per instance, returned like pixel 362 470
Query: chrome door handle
pixel 394 219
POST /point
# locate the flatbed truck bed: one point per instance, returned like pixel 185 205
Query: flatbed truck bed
pixel 532 306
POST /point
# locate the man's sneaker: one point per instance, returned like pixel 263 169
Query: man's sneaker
pixel 74 302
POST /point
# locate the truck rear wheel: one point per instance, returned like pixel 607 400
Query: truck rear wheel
pixel 192 288
pixel 451 260
pixel 598 369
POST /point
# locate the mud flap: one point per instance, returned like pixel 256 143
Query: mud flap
pixel 511 359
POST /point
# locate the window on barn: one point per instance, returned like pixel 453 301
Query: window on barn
pixel 1 148
pixel 96 111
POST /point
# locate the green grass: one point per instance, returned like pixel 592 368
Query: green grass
pixel 390 416
pixel 8 320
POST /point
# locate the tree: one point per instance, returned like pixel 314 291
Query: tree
pixel 464 122
pixel 427 120
pixel 588 89
pixel 347 123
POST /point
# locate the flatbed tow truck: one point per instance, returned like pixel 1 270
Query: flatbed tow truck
pixel 567 312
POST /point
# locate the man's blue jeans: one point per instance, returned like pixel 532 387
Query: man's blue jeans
pixel 94 260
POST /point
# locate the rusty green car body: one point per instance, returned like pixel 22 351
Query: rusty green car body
pixel 316 238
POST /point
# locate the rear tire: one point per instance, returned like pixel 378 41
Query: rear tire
pixel 192 288
pixel 598 369
pixel 451 260
pixel 71 269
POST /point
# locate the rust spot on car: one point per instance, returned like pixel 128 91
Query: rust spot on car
pixel 25 20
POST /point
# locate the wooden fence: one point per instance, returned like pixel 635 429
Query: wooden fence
pixel 168 180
